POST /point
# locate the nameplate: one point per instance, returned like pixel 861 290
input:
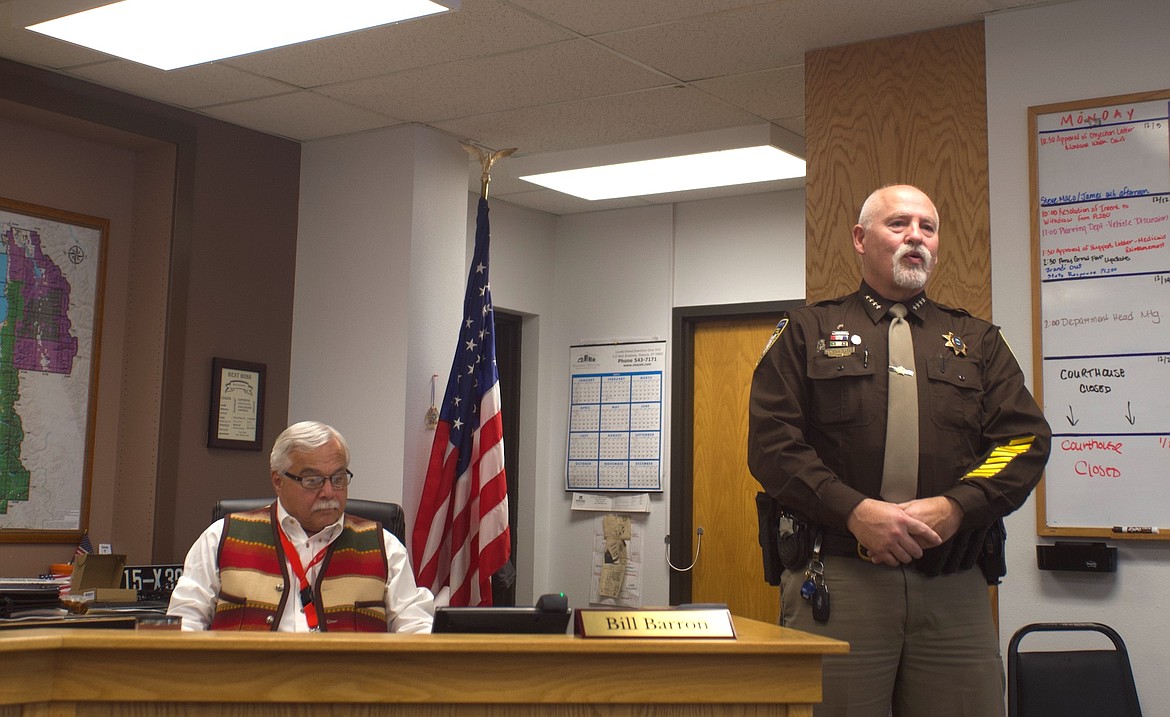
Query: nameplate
pixel 656 624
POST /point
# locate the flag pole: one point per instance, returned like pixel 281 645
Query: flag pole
pixel 486 159
pixel 461 535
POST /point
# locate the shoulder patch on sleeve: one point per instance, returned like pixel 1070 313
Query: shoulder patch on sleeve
pixel 775 335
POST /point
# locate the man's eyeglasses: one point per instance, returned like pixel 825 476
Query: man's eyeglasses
pixel 314 482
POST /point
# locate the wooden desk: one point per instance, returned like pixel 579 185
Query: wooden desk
pixel 768 670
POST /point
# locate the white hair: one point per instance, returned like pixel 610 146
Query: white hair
pixel 303 437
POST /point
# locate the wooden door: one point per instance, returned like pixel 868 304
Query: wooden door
pixel 729 569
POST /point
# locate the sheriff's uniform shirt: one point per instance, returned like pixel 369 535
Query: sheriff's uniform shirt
pixel 817 417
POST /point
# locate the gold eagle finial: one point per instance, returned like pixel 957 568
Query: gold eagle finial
pixel 486 159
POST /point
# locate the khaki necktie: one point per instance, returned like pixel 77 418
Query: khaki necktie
pixel 900 472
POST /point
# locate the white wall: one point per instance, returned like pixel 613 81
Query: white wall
pixel 619 274
pixel 613 276
pixel 523 255
pixel 739 250
pixel 1054 54
pixel 380 254
pixel 379 286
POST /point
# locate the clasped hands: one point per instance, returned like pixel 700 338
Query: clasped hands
pixel 896 533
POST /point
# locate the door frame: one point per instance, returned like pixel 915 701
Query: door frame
pixel 683 322
pixel 509 340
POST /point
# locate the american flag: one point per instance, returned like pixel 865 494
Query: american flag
pixel 461 531
pixel 85 547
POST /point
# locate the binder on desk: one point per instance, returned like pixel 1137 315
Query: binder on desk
pixel 18 596
pixel 78 622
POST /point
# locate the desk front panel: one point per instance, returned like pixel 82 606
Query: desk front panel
pixel 61 673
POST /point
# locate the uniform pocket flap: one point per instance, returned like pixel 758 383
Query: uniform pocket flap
pixel 960 374
pixel 823 368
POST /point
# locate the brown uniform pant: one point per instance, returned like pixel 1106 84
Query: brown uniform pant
pixel 919 646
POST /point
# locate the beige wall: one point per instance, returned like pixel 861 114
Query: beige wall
pixel 200 264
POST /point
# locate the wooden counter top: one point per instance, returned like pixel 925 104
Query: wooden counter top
pixel 73 669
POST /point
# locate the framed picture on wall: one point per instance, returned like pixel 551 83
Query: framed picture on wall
pixel 52 269
pixel 236 415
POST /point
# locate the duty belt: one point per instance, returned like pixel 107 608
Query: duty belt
pixel 845 546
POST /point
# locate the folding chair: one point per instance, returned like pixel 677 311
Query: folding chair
pixel 1070 683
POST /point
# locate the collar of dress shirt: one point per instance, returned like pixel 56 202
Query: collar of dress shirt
pixel 296 533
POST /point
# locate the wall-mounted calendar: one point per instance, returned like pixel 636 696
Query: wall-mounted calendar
pixel 615 416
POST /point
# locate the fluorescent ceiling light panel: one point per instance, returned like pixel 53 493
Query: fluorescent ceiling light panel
pixel 168 34
pixel 674 174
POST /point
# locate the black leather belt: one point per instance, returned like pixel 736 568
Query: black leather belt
pixel 844 546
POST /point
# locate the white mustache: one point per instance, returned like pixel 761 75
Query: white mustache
pixel 918 249
pixel 327 504
pixel 909 276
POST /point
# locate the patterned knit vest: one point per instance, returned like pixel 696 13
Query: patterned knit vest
pixel 254 582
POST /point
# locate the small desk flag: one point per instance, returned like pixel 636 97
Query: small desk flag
pixel 85 547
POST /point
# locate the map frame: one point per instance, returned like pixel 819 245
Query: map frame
pixel 90 237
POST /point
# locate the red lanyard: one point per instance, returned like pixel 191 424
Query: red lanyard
pixel 309 606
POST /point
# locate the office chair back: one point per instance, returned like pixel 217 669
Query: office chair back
pixel 388 514
pixel 1071 683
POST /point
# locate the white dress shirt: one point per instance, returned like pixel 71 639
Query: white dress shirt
pixel 409 608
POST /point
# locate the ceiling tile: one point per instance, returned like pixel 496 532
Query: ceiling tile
pixel 553 73
pixel 33 48
pixel 479 27
pixel 792 124
pixel 597 16
pixel 196 86
pixel 301 116
pixel 746 38
pixel 772 94
pixel 600 121
pixel 776 34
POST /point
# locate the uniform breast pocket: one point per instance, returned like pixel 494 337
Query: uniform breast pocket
pixel 842 391
pixel 956 393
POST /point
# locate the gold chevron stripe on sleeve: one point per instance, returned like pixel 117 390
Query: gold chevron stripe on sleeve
pixel 1000 457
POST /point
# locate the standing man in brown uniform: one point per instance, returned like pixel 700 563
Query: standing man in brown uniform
pixel 892 572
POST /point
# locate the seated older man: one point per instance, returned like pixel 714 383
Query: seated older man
pixel 301 564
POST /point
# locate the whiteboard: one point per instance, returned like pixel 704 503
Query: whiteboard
pixel 1100 218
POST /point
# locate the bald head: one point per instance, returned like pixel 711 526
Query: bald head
pixel 896 238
